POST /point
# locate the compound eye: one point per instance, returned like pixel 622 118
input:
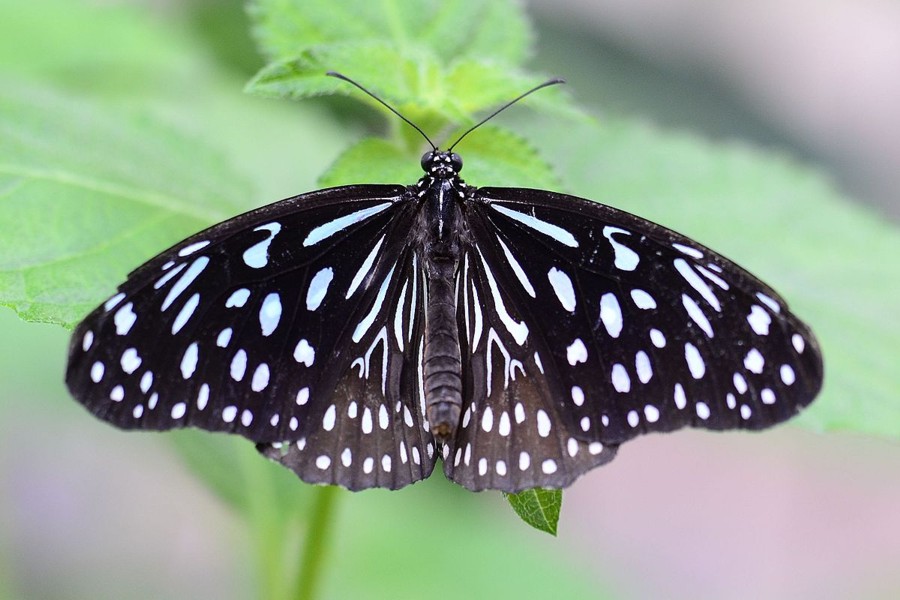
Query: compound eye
pixel 427 158
pixel 456 162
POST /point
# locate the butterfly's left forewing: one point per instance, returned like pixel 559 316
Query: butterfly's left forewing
pixel 255 325
pixel 596 326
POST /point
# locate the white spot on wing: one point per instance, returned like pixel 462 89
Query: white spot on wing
pixel 642 299
pixel 517 269
pixel 260 378
pixel 326 230
pixel 620 379
pixel 563 288
pixel 113 302
pixel 131 361
pixel 696 314
pixel 626 258
pixel 193 248
pixel 759 320
pixel 702 410
pixel 557 233
pixel 642 366
pixel 754 361
pixel 787 374
pixel 97 370
pixel 329 419
pixel 318 287
pixel 697 282
pixel 770 302
pixel 124 319
pixel 189 360
pixel 270 313
pixel 577 395
pixel 165 278
pixel 694 360
pixel 257 255
pixel 224 337
pixel 186 312
pixel 519 330
pixel 680 398
pixel 543 423
pixel 179 410
pixel 611 314
pixel 185 280
pixel 693 252
pixel 239 365
pixel 365 268
pixel 367 321
pixel 87 340
pixel 576 352
pixel 238 298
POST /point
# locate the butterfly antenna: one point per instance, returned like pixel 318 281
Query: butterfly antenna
pixel 386 105
pixel 504 107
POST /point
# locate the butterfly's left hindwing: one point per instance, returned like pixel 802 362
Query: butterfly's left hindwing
pixel 596 326
pixel 372 433
pixel 252 326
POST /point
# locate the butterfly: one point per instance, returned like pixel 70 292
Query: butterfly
pixel 359 334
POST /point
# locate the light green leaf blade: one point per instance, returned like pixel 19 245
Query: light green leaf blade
pixel 87 195
pixel 538 507
pixel 489 29
pixel 476 85
pixel 395 75
pixel 437 63
pixel 493 156
pixel 373 160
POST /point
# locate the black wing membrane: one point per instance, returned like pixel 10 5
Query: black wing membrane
pixel 596 326
pixel 376 435
pixel 251 326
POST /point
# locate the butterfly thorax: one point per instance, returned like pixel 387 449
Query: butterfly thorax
pixel 442 193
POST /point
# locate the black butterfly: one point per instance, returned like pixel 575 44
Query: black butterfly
pixel 359 333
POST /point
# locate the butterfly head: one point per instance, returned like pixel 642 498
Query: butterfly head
pixel 439 163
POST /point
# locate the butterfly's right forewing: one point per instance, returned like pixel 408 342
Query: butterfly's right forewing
pixel 240 327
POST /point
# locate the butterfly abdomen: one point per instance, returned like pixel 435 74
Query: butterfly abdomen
pixel 442 364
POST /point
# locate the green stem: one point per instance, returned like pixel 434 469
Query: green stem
pixel 262 516
pixel 317 542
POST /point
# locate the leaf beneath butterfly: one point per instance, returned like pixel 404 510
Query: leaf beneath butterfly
pixel 91 195
pixel 494 155
pixel 538 507
pixel 783 222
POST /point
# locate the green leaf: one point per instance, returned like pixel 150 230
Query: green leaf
pixel 393 74
pixel 92 194
pixel 373 160
pixel 450 61
pixel 498 157
pixel 489 29
pixel 494 156
pixel 538 507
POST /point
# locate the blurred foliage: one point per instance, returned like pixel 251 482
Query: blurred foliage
pixel 107 157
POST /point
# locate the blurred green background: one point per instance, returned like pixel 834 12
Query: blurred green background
pixel 742 96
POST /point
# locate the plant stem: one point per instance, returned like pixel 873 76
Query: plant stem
pixel 316 546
